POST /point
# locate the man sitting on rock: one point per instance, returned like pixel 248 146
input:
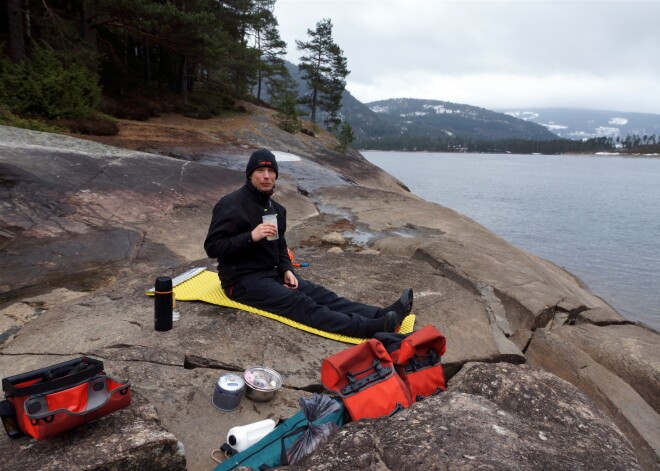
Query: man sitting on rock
pixel 255 269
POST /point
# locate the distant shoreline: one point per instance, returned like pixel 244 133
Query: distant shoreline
pixel 596 154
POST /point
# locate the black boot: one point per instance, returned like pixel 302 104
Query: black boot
pixel 391 322
pixel 403 305
pixel 406 300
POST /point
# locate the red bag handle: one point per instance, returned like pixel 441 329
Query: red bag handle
pixel 353 360
pixel 420 343
pixel 52 378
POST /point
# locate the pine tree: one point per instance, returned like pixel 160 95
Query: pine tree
pixel 284 96
pixel 324 68
pixel 346 136
pixel 270 46
pixel 330 102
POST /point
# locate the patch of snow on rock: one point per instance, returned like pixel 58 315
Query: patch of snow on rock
pixel 618 121
pixel 380 109
pixel 524 115
pixel 554 126
pixel 285 156
pixel 607 131
pixel 440 109
pixel 500 430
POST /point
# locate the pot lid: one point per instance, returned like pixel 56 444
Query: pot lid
pixel 231 383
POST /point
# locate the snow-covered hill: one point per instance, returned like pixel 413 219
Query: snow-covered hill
pixel 584 123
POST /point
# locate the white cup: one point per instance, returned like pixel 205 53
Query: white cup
pixel 271 219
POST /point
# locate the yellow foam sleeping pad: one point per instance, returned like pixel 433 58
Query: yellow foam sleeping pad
pixel 199 284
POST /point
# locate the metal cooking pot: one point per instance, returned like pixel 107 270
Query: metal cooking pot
pixel 261 383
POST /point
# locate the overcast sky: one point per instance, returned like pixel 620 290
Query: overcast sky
pixel 491 53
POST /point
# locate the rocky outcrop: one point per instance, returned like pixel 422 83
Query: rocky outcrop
pixel 618 381
pixel 85 228
pixel 501 416
pixel 131 439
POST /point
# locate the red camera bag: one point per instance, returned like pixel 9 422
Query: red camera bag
pixel 60 397
pixel 365 378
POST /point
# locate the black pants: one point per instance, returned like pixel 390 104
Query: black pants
pixel 309 304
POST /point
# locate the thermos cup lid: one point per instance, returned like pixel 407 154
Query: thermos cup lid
pixel 163 284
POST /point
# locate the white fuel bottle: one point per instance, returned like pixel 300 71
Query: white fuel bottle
pixel 244 436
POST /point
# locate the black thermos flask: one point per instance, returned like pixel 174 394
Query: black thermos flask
pixel 163 303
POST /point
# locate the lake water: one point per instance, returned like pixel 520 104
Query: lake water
pixel 596 216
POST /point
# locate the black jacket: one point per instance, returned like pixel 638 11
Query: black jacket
pixel 228 239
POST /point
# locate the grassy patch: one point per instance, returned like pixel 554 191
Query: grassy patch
pixel 9 119
pixel 96 124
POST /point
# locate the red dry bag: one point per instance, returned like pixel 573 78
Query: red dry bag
pixel 419 362
pixel 365 378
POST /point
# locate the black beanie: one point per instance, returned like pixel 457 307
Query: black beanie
pixel 261 158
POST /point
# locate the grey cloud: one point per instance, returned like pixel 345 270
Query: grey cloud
pixel 606 41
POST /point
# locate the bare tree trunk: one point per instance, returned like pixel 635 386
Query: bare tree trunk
pixel 147 62
pixel 16 30
pixel 184 80
pixel 259 79
pixel 89 9
pixel 184 68
pixel 313 106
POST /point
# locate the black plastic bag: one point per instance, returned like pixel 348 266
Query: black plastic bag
pixel 315 407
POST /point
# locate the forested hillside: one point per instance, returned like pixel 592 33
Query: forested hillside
pixel 78 65
pixel 138 47
pixel 432 118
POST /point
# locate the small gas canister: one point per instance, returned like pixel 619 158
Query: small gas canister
pixel 228 392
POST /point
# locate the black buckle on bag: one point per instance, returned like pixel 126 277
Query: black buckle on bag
pixel 9 421
pixel 417 362
pixel 399 407
pixel 434 393
pixel 381 372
